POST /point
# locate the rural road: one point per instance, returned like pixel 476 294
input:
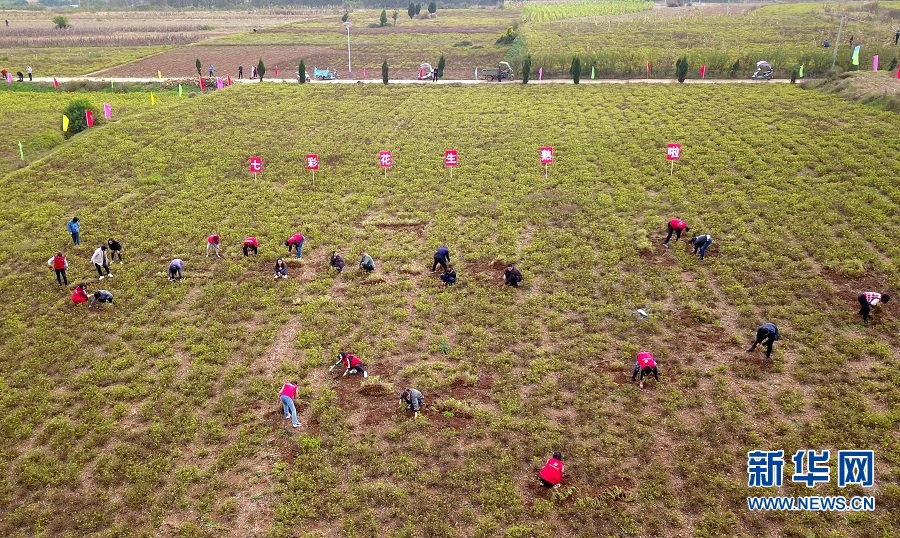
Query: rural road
pixel 414 81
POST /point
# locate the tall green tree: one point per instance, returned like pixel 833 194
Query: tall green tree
pixel 383 19
pixel 432 8
pixel 418 8
pixel 576 69
pixel 681 68
pixel 345 17
pixel 384 72
pixel 260 69
pixel 301 72
pixel 526 69
pixel 61 22
pixel 411 10
pixel 77 120
pixel 442 62
pixel 199 67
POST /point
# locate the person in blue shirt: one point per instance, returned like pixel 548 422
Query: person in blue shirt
pixel 767 335
pixel 442 256
pixel 75 229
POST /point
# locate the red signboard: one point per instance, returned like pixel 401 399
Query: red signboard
pixel 255 165
pixel 312 161
pixel 673 152
pixel 546 155
pixel 385 159
pixel 451 158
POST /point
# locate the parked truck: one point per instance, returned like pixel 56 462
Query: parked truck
pixel 502 71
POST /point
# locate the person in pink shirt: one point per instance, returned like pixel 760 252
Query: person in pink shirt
pixel 251 244
pixel 212 242
pixel 288 391
pixel 676 226
pixel 295 241
pixel 552 474
pixel 80 296
pixel 645 365
pixel 868 300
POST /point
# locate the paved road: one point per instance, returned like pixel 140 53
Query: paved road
pixel 444 82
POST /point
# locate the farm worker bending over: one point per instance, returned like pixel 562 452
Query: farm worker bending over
pixel 75 229
pixel 288 391
pixel 413 399
pixel 102 296
pixel 295 242
pixel 442 256
pixel 701 243
pixel 100 262
pixel 79 295
pixel 552 473
pixel 869 299
pixel 646 366
pixel 766 334
pixel 676 226
pixel 366 262
pixel 251 244
pixel 337 261
pixel 175 268
pixel 352 364
pixel 449 276
pixel 212 242
pixel 114 248
pixel 59 264
pixel 512 276
pixel 280 269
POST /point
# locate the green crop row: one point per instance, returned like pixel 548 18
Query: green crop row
pixel 537 12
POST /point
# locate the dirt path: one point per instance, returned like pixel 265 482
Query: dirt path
pixel 423 82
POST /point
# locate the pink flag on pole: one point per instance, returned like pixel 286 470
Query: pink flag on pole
pixel 9 77
pixel 364 73
pixel 276 70
pixel 898 73
pixel 219 84
pixel 703 71
pixel 540 73
pixel 107 110
pixel 648 69
pixel 875 63
pixel 55 83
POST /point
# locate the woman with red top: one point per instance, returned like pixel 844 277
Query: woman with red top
pixel 352 364
pixel 676 226
pixel 80 296
pixel 868 300
pixel 59 264
pixel 646 366
pixel 295 241
pixel 251 244
pixel 288 391
pixel 212 242
pixel 552 473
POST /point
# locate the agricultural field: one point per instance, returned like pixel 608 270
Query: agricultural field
pixel 158 415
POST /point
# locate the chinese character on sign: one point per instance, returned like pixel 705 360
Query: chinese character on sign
pixel 312 161
pixel 816 468
pixel 451 158
pixel 546 155
pixel 765 468
pixel 385 159
pixel 673 152
pixel 255 165
pixel 856 467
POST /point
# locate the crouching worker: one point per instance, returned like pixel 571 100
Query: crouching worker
pixel 287 394
pixel 869 300
pixel 512 276
pixel 175 268
pixel 766 334
pixel 645 365
pixel 250 244
pixel 280 269
pixel 352 364
pixel 701 243
pixel 366 262
pixel 337 261
pixel 79 295
pixel 676 226
pixel 102 296
pixel 552 473
pixel 413 399
pixel 448 277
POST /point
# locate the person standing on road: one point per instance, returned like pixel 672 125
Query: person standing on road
pixel 240 72
pixel 212 242
pixel 250 244
pixel 115 248
pixel 645 365
pixel 212 71
pixel 75 229
pixel 28 70
pixel 366 262
pixel 176 266
pixel 442 256
pixel 868 300
pixel 352 364
pixel 435 73
pixel 676 226
pixel 100 262
pixel 896 37
pixel 59 264
pixel 701 243
pixel 296 242
pixel 552 474
pixel 767 335
pixel 287 394
pixel 413 399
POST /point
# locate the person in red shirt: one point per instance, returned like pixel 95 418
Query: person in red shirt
pixel 212 242
pixel 287 394
pixel 295 241
pixel 352 364
pixel 676 226
pixel 251 244
pixel 870 299
pixel 59 264
pixel 646 366
pixel 79 295
pixel 552 473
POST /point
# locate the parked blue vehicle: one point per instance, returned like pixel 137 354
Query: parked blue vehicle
pixel 324 74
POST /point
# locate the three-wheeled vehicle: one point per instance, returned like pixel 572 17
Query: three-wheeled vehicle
pixel 324 74
pixel 426 72
pixel 763 71
pixel 502 71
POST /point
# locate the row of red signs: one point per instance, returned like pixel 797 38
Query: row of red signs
pixel 451 158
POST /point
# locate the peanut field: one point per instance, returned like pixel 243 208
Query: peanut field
pixel 158 415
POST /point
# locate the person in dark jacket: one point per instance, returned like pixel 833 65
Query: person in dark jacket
pixel 280 269
pixel 115 249
pixel 366 262
pixel 868 300
pixel 701 243
pixel 766 334
pixel 512 276
pixel 337 261
pixel 101 296
pixel 449 276
pixel 175 269
pixel 413 399
pixel 442 257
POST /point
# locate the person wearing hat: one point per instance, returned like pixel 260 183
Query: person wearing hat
pixel 552 474
pixel 766 334
pixel 352 364
pixel 645 365
pixel 676 226
pixel 868 300
pixel 413 399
